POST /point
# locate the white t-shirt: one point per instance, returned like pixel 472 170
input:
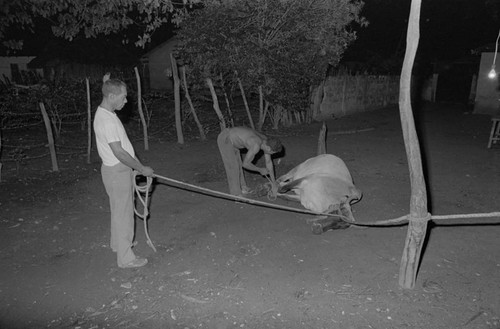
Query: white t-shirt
pixel 108 128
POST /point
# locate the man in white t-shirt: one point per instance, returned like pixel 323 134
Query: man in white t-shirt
pixel 118 161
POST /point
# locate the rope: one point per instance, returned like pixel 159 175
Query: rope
pixel 142 193
pixel 380 223
pixel 251 201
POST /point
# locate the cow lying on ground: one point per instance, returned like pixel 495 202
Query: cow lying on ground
pixel 322 184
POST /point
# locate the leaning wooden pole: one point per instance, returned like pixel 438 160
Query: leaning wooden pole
pixel 50 137
pixel 203 137
pixel 216 106
pixel 417 227
pixel 141 112
pixel 240 84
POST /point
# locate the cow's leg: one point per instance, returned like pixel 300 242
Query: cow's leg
pixel 290 197
pixel 320 224
pixel 345 210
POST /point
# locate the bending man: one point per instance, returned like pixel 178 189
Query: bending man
pixel 231 141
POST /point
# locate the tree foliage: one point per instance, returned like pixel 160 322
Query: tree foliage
pixel 285 46
pixel 71 18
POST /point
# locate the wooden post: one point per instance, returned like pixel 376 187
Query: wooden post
pixel 263 109
pixel 226 98
pixel 139 107
pixel 240 84
pixel 343 94
pixel 89 120
pixel 215 101
pixel 1 155
pixel 191 106
pixel 322 140
pixel 50 137
pixel 417 226
pixel 177 100
pixel 263 113
pixel 435 78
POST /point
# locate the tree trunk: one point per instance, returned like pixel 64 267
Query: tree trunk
pixel 141 113
pixel 418 218
pixel 215 100
pixel 246 104
pixel 177 98
pixel 191 106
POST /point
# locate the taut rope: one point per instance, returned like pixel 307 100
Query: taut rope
pixel 145 189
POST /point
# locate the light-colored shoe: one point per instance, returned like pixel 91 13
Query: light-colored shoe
pixel 138 262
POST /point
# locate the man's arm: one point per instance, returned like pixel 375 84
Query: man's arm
pixel 270 166
pixel 247 161
pixel 128 160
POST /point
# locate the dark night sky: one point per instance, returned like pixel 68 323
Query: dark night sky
pixel 449 30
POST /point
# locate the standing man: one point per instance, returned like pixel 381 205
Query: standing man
pixel 231 141
pixel 118 161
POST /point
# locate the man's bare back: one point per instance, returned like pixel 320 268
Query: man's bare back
pixel 245 138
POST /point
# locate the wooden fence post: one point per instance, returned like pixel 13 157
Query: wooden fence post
pixel 322 140
pixel 177 99
pixel 139 107
pixel 89 120
pixel 50 137
pixel 1 155
pixel 417 226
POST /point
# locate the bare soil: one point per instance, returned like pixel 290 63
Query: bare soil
pixel 222 264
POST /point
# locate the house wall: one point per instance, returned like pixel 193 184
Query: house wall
pixel 5 65
pixel 159 66
pixel 487 93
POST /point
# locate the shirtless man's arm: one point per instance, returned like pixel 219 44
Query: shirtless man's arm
pixel 269 166
pixel 247 161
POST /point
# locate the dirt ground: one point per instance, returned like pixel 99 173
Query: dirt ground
pixel 222 264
